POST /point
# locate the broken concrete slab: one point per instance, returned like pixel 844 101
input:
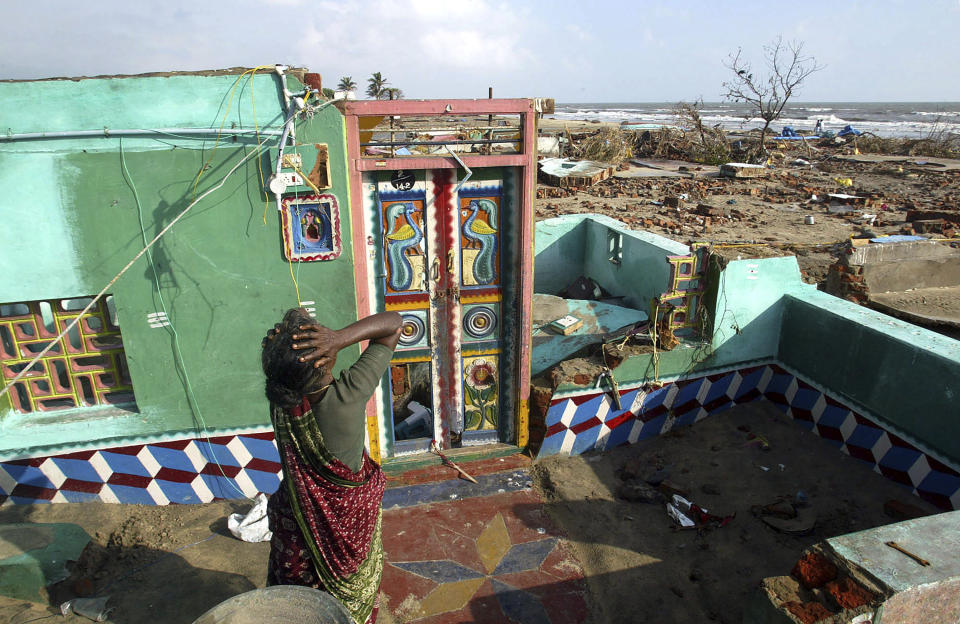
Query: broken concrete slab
pixel 917 593
pixel 33 557
pixel 598 319
pixel 743 170
pixel 663 168
pixel 933 307
pixel 905 571
pixel 567 172
pixel 895 267
pixel 926 162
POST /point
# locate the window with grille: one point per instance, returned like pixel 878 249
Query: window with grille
pixel 85 368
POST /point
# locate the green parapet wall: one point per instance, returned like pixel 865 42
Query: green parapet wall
pixel 72 223
pixel 903 374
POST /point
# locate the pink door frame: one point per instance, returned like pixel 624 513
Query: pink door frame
pixel 525 159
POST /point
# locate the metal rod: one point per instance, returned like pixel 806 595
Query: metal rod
pixel 108 133
pixel 451 129
pixel 437 143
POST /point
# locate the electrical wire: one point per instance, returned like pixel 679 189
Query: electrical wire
pixel 177 351
pixel 226 113
pixel 99 295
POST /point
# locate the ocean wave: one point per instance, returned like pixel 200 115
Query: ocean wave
pixel 829 119
pixel 938 113
pixel 866 119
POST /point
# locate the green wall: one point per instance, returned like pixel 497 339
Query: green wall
pixel 559 245
pixel 223 275
pixel 643 272
pixel 761 311
pixel 904 374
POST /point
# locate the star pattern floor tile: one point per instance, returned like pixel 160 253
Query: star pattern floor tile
pixel 491 559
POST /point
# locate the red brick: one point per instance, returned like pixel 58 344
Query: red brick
pixel 849 594
pixel 814 570
pixel 808 612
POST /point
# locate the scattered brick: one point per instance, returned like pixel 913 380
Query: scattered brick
pixel 849 594
pixel 808 612
pixel 814 570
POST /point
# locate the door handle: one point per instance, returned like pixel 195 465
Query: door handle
pixel 450 256
pixel 435 270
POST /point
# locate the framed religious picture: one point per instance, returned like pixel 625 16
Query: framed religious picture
pixel 311 228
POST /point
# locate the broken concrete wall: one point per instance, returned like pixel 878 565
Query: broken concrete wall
pixel 891 267
pixel 860 577
pixel 573 245
pixel 639 271
pixel 559 245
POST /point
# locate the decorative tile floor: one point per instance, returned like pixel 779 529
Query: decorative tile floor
pixel 488 558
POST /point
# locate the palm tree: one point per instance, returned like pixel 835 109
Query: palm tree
pixel 392 93
pixel 346 84
pixel 376 86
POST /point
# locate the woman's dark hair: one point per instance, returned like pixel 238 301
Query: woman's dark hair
pixel 288 379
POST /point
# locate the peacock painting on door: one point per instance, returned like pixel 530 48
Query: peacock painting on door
pixel 437 252
pixel 446 216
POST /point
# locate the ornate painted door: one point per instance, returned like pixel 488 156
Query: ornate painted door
pixel 438 249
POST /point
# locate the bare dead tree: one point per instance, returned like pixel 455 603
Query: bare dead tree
pixel 767 95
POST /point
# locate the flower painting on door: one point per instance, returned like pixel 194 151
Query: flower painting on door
pixel 480 393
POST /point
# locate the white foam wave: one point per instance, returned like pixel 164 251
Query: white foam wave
pixel 737 123
pixel 938 113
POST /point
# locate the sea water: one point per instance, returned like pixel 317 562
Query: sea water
pixel 887 119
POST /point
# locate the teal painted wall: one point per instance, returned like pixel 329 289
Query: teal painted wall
pixel 559 247
pixel 643 272
pixel 223 275
pixel 906 375
pixel 749 309
pixel 574 245
pixel 184 100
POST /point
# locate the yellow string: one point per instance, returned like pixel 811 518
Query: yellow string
pixel 223 123
pixel 256 127
pixel 295 285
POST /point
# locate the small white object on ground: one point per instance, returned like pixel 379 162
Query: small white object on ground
pixel 252 527
pixel 95 609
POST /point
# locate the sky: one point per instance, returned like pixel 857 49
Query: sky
pixel 587 51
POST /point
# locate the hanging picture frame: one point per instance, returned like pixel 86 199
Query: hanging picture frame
pixel 311 228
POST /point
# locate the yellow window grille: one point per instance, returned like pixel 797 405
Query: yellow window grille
pixel 85 368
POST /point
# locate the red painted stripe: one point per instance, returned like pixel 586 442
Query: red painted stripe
pixel 32 491
pixel 130 480
pixel 418 298
pixel 215 470
pixel 583 398
pixel 176 476
pixel 76 485
pixel 177 445
pixel 443 198
pixel 265 435
pixel 263 465
pixel 221 440
pixel 81 455
pixel 31 461
pixel 555 428
pixel 585 425
pixel 616 421
pixel 125 450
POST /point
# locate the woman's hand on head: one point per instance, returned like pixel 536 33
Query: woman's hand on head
pixel 320 344
pixel 271 334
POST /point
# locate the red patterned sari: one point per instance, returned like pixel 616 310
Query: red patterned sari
pixel 325 518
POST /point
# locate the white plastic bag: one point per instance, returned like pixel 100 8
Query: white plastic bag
pixel 252 527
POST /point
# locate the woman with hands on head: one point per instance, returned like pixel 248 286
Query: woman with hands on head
pixel 325 517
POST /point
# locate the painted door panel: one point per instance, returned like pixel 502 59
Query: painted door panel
pixel 440 268
pixel 479 205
